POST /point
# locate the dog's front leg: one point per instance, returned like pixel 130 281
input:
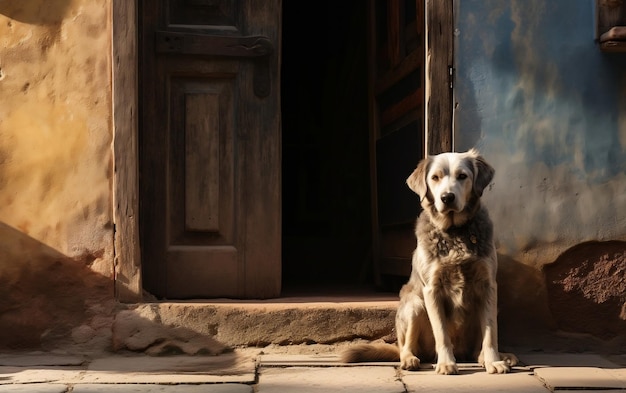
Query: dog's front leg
pixel 408 337
pixel 490 357
pixel 446 362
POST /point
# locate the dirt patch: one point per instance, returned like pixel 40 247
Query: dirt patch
pixel 587 289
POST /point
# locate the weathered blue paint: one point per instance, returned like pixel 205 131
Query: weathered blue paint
pixel 534 93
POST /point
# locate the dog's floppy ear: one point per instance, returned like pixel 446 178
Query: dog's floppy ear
pixel 417 180
pixel 483 173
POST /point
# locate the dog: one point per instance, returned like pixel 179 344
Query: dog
pixel 448 308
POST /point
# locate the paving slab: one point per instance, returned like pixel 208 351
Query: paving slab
pixel 226 368
pixel 116 378
pixel 40 359
pixel 315 360
pixel 619 373
pixel 591 390
pixel 34 388
pixel 283 360
pixel 472 379
pixel 23 375
pixel 225 364
pixel 534 360
pixel 288 372
pixel 329 379
pixel 144 388
pixel 578 378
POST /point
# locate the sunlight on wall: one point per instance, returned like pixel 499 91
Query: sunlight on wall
pixel 55 126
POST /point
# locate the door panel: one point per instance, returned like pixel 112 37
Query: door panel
pixel 202 212
pixel 203 160
pixel 210 148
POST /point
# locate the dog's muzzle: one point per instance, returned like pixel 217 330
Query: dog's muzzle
pixel 447 198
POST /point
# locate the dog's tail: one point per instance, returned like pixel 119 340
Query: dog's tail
pixel 371 353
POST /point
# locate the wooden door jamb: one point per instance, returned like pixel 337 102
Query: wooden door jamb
pixel 127 260
pixel 439 75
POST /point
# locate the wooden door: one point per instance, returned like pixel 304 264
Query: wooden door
pixel 210 148
pixel 397 126
pixel 410 115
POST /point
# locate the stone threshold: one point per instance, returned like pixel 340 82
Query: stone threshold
pixel 211 327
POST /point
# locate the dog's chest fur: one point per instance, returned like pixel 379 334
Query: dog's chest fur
pixel 456 263
pixel 462 289
pixel 456 245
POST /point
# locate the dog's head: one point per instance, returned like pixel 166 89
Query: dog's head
pixel 450 186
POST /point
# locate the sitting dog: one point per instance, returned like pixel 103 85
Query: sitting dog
pixel 448 308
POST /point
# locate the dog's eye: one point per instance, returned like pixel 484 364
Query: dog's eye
pixel 435 178
pixel 461 176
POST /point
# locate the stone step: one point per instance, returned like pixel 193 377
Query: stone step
pixel 216 326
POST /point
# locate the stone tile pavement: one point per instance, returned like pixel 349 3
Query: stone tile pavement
pixel 248 371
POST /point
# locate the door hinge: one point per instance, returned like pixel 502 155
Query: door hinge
pixel 451 72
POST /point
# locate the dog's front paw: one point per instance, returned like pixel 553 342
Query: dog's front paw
pixel 497 363
pixel 447 368
pixel 410 362
pixel 509 359
pixel 497 367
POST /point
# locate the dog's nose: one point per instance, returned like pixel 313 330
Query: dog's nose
pixel 447 198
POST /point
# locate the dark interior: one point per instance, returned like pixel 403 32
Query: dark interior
pixel 326 166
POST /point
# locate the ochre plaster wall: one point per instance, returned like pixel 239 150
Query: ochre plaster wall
pixel 56 232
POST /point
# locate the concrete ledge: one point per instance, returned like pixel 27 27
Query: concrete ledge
pixel 210 328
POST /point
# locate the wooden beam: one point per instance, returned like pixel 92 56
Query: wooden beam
pixel 439 62
pixel 128 287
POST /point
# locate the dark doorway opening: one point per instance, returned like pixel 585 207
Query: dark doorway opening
pixel 325 144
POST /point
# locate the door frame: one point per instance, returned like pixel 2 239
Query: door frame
pixel 125 103
pixel 125 97
pixel 439 76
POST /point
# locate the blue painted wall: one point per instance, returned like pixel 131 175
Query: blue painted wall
pixel 534 93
